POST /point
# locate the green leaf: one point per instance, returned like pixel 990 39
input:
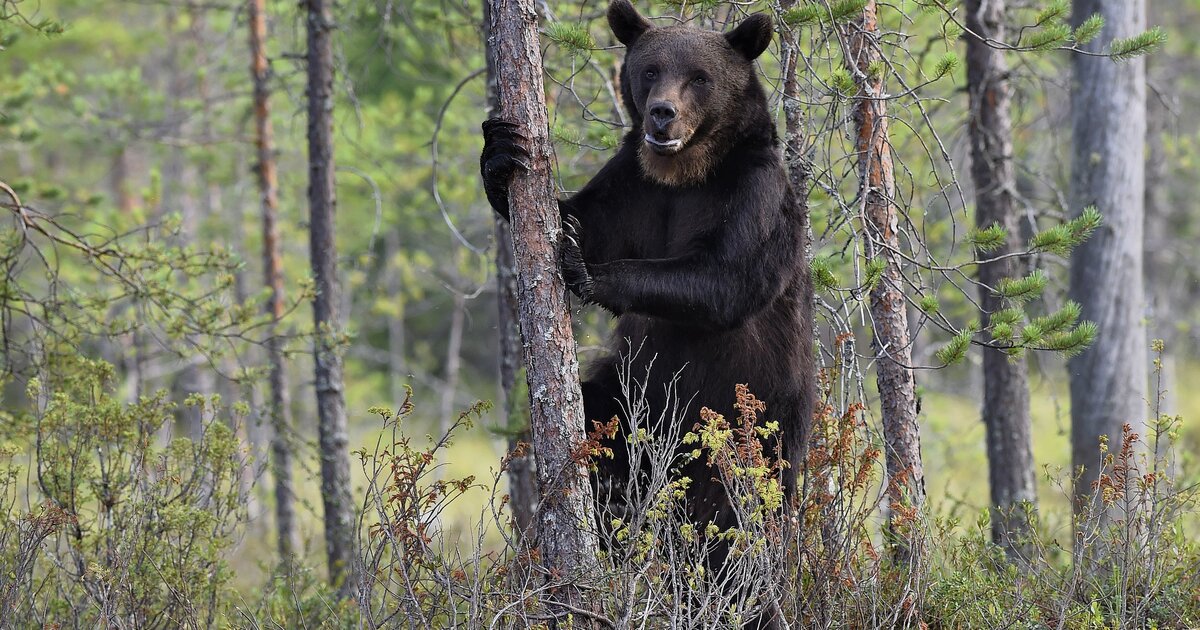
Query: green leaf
pixel 842 83
pixel 1059 320
pixel 802 15
pixel 1009 316
pixel 956 349
pixel 1055 11
pixel 573 37
pixel 1138 45
pixel 1073 342
pixel 1023 289
pixel 822 274
pixel 988 239
pixel 929 304
pixel 947 64
pixel 1090 28
pixel 875 268
pixel 1051 36
pixel 845 10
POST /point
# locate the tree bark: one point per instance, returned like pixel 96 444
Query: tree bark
pixel 564 530
pixel 1108 109
pixel 891 341
pixel 522 488
pixel 1005 412
pixel 280 410
pixel 322 201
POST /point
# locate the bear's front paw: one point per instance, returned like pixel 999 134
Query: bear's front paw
pixel 570 256
pixel 503 153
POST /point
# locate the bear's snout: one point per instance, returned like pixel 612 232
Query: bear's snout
pixel 662 114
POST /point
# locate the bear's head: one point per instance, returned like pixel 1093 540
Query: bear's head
pixel 691 92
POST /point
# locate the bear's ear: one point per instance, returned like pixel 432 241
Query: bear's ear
pixel 752 36
pixel 626 23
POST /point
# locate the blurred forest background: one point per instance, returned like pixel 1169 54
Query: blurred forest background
pixel 133 248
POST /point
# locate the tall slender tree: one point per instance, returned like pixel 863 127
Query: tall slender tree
pixel 279 410
pixel 1006 416
pixel 322 203
pixel 522 489
pixel 563 530
pixel 1108 111
pixel 881 242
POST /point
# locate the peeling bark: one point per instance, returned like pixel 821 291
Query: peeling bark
pixel 880 216
pixel 280 407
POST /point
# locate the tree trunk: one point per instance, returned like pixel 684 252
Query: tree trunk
pixel 564 528
pixel 1108 108
pixel 280 412
pixel 891 342
pixel 453 362
pixel 395 296
pixel 1005 412
pixel 322 202
pixel 522 489
pixel 1157 242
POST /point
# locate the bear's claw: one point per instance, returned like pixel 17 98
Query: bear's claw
pixel 575 271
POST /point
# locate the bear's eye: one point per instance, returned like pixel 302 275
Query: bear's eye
pixel 651 75
pixel 699 81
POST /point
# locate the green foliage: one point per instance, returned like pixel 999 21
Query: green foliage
pixel 956 349
pixel 1072 342
pixel 573 37
pixel 846 10
pixel 835 12
pixel 1138 45
pixel 1053 11
pixel 929 304
pixel 822 274
pixel 1061 239
pixel 802 15
pixel 1047 37
pixel 946 64
pixel 1089 29
pixel 874 272
pixel 842 84
pixel 1023 289
pixel 134 528
pixel 988 239
pixel 1059 320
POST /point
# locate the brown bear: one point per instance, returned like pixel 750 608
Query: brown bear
pixel 691 236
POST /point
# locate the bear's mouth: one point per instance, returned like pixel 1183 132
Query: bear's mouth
pixel 664 147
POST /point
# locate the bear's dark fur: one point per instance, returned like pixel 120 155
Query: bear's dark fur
pixel 690 235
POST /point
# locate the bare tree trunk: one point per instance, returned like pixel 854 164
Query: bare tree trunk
pixel 179 183
pixel 1159 211
pixel 453 362
pixel 280 411
pixel 1108 108
pixel 1005 412
pixel 892 344
pixel 331 405
pixel 522 489
pixel 396 363
pixel 564 530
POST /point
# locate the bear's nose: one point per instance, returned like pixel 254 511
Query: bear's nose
pixel 662 113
